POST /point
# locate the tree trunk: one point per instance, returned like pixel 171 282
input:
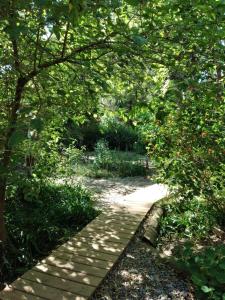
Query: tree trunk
pixel 2 207
pixel 7 152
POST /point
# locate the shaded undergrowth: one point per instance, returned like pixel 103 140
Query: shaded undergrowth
pixel 39 216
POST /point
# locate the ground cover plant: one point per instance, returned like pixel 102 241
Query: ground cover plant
pixel 40 216
pixel 189 226
pixel 206 269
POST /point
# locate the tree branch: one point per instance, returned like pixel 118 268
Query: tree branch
pixel 65 39
pixel 95 45
pixel 36 46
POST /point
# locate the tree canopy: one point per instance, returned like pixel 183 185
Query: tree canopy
pixel 160 63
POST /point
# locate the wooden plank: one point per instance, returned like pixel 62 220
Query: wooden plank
pixel 151 235
pixel 68 274
pixel 107 223
pixel 103 241
pixel 61 283
pixel 115 234
pixel 91 254
pixel 119 218
pixel 121 215
pixel 99 245
pixel 46 292
pixel 74 266
pixel 112 228
pixel 122 209
pixel 81 247
pixel 103 237
pixel 17 295
pixel 84 260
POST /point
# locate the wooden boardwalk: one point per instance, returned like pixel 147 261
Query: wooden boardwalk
pixel 74 270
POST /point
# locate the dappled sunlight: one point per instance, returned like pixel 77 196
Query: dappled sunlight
pixel 78 266
pixel 80 276
pixel 141 275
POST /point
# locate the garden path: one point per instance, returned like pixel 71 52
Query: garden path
pixel 76 269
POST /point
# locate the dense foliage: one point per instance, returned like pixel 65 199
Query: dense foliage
pixel 39 216
pixel 206 268
pixel 155 67
pixel 189 219
pixel 118 134
pixel 117 163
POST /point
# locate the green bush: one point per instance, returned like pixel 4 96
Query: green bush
pixel 86 134
pixel 38 217
pixel 187 218
pixel 121 136
pixel 115 163
pixel 186 142
pixel 118 135
pixel 207 270
pixel 103 157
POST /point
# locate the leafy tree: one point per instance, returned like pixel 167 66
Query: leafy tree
pixel 44 46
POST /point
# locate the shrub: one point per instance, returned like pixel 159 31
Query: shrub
pixel 187 218
pixel 69 161
pixel 86 134
pixel 38 217
pixel 121 136
pixel 114 162
pixel 207 270
pixel 103 156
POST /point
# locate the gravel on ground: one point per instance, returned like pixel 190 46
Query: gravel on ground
pixel 141 274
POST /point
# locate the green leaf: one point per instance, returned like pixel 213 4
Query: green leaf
pixel 15 30
pixel 206 289
pixel 198 279
pixel 222 264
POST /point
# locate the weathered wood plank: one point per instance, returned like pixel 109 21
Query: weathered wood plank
pixel 110 222
pixel 107 248
pixel 119 218
pixel 13 294
pixel 121 215
pixel 84 260
pixel 112 228
pixel 44 291
pixel 68 274
pixel 116 233
pixel 103 237
pixel 86 253
pixel 74 266
pixel 57 282
pixel 104 241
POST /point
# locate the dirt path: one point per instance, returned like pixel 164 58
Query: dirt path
pixel 111 191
